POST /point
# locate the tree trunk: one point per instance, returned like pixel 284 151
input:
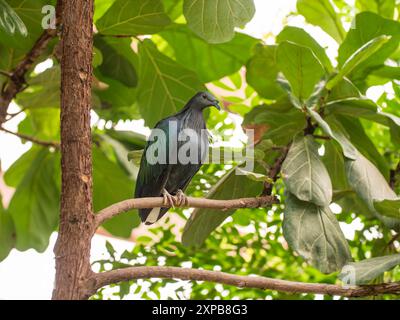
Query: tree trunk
pixel 72 250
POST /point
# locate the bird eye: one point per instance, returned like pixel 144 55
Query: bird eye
pixel 204 96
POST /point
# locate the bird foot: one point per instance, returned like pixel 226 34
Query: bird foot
pixel 168 198
pixel 181 199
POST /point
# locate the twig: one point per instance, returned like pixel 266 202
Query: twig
pixel 263 283
pixel 155 202
pixel 33 139
pixel 274 171
pixel 16 81
pixel 316 136
pixel 393 176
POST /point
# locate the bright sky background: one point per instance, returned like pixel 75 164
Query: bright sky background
pixel 29 275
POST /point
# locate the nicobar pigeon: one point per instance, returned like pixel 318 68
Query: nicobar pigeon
pixel 166 172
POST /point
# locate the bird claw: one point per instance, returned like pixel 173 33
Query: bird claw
pixel 168 199
pixel 181 199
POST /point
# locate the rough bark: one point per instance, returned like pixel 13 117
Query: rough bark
pixel 72 250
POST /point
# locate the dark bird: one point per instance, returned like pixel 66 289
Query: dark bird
pixel 173 154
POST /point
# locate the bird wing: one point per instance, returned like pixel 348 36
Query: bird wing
pixel 152 176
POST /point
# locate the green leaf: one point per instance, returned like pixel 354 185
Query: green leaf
pixel 42 123
pixel 107 178
pixel 300 37
pixel 100 7
pixel 209 61
pixel 131 17
pixel 358 57
pixel 215 21
pixel 282 122
pixel 163 84
pixel 300 67
pixel 360 140
pixel 366 109
pixel 334 131
pixel 203 221
pixel 322 14
pixel 117 101
pixel 368 26
pixel 114 64
pixel 7 232
pixel 30 12
pixel 385 8
pixel 43 90
pixel 14 175
pixel 35 204
pixel 389 208
pixel 304 173
pixel 370 185
pixel 10 21
pixel 262 72
pixel 363 272
pixel 173 8
pixel 314 233
pixel 334 163
pixel 342 90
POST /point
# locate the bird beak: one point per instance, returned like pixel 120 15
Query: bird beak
pixel 216 105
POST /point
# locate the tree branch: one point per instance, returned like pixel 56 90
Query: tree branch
pixel 16 81
pixel 155 202
pixel 274 171
pixel 263 283
pixel 53 144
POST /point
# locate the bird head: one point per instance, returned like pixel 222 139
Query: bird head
pixel 203 100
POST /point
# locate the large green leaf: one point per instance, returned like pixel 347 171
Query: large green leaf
pixel 304 173
pixel 282 122
pixel 111 184
pixel 7 232
pixel 203 221
pixel 314 233
pixel 14 175
pixel 300 67
pixel 335 132
pixel 357 58
pixel 41 123
pixel 389 208
pixel 114 64
pixel 10 21
pixel 343 90
pixel 363 143
pixel 30 12
pixel 301 37
pixel 262 72
pixel 215 20
pixel 35 204
pixel 366 109
pixel 322 14
pixel 363 272
pixel 117 101
pixel 209 61
pixel 368 26
pixel 385 8
pixel 164 85
pixel 370 185
pixel 43 90
pixel 132 17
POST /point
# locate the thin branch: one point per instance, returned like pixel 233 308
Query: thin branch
pixel 317 136
pixel 393 176
pixel 274 171
pixel 155 202
pixel 16 82
pixel 53 144
pixel 263 283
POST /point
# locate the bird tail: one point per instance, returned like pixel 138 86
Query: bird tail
pixel 150 216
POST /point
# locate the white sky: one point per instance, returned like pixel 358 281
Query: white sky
pixel 29 275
